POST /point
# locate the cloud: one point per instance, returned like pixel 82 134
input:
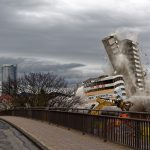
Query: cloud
pixel 80 11
pixel 71 71
pixel 67 33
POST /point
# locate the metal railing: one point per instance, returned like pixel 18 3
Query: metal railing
pixel 132 114
pixel 131 132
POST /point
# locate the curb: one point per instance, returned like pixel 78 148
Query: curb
pixel 27 135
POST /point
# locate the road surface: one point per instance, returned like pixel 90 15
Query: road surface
pixel 11 139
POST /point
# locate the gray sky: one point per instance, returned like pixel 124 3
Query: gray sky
pixel 64 36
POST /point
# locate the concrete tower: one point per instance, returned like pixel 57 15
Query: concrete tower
pixel 125 59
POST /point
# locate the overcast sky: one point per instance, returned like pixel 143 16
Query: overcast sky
pixel 64 36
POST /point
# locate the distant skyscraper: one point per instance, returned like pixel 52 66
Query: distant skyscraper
pixel 9 77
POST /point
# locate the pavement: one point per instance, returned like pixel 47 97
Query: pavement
pixel 59 138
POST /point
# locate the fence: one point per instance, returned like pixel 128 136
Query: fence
pixel 134 133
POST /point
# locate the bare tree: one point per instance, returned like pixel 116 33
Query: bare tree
pixel 64 102
pixel 43 89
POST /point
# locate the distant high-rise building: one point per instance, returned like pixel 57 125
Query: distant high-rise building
pixel 9 78
pixel 125 59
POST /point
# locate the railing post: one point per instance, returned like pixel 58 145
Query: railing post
pixel 105 129
pixel 137 135
pixel 68 121
pixel 29 113
pixel 83 124
pixel 13 113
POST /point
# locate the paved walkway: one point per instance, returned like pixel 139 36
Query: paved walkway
pixel 59 138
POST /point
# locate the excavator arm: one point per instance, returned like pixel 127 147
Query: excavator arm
pixel 124 105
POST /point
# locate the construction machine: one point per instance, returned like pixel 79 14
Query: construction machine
pixel 102 103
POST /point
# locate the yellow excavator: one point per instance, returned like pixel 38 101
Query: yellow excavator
pixel 123 105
